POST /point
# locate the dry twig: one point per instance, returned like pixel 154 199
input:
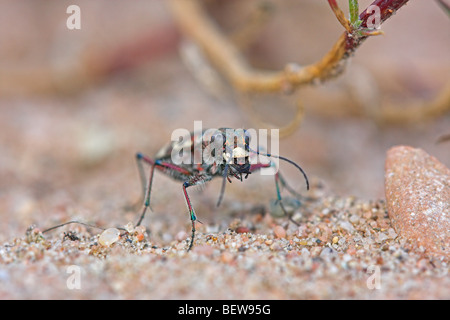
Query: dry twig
pixel 225 56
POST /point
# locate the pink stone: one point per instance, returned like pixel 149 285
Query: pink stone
pixel 417 188
pixel 280 232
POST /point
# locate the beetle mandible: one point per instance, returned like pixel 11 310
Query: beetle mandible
pixel 229 152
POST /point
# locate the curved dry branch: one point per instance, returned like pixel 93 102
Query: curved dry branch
pixel 199 27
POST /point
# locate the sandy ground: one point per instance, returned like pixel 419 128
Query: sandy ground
pixel 71 156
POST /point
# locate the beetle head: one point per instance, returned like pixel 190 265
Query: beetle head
pixel 236 153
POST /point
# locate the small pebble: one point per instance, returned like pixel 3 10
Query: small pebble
pixel 109 236
pixel 129 227
pixel 354 219
pixel 347 226
pixel 280 232
pixel 303 242
pixel 242 230
pixel 392 234
pixel 140 229
pixel 382 237
pixel 140 237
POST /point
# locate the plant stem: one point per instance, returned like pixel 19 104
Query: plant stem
pixel 387 9
pixel 354 11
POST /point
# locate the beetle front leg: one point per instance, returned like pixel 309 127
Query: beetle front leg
pixel 191 212
pixel 285 185
pixel 279 180
pixel 280 200
pixel 147 186
pixel 145 190
pixel 195 180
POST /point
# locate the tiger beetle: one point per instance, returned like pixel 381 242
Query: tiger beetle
pixel 229 157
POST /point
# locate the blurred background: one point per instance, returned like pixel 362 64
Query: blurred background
pixel 76 105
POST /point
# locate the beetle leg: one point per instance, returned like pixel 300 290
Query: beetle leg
pixel 284 184
pixel 195 180
pixel 280 200
pixel 140 165
pixel 147 184
pixel 146 191
pixel 278 180
pixel 191 212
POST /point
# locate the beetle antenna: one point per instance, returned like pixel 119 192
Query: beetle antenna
pixel 77 222
pixel 70 222
pixel 287 160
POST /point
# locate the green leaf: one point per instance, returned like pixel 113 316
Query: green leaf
pixel 354 11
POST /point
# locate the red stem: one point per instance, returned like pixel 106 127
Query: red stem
pixel 333 4
pixel 387 9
